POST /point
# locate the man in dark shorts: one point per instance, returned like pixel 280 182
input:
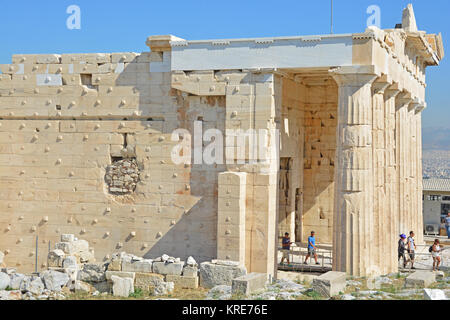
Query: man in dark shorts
pixel 286 245
pixel 402 249
pixel 411 248
pixel 312 248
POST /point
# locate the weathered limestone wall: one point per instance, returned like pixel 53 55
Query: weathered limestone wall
pixel 64 120
pixel 291 154
pixel 319 163
pixel 308 139
pixel 253 102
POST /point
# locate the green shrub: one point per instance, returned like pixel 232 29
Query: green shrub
pixel 313 294
pixel 138 293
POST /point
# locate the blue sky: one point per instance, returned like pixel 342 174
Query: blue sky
pixel 114 26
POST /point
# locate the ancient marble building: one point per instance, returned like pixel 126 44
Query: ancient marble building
pixel 86 146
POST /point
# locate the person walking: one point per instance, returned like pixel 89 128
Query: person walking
pixel 402 249
pixel 286 245
pixel 412 249
pixel 447 224
pixel 436 254
pixel 312 250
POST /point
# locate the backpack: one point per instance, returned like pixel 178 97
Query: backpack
pixel 431 249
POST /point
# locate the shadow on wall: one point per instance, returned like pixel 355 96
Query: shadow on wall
pixel 194 199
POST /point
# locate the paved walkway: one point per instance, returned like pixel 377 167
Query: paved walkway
pixel 424 261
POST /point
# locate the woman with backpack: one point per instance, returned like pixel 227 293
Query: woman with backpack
pixel 435 250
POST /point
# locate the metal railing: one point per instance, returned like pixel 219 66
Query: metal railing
pixel 299 251
pixel 297 255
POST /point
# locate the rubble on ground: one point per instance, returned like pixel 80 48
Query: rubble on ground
pixel 72 269
pixel 383 288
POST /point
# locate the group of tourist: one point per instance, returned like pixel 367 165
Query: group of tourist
pixel 312 249
pixel 408 245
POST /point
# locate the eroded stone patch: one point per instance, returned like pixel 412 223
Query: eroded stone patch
pixel 122 176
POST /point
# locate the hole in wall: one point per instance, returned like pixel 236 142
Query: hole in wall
pixel 122 176
pixel 321 214
pixel 86 79
pixel 125 142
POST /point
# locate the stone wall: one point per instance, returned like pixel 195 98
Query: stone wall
pixel 64 121
pixel 308 139
pixel 291 154
pixel 320 147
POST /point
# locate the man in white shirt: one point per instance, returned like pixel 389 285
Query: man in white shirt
pixel 411 248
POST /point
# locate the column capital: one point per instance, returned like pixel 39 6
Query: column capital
pixel 379 87
pixel 355 76
pixel 414 104
pixel 393 90
pixel 419 106
pixel 381 84
pixel 403 100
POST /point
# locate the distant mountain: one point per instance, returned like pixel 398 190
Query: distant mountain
pixel 436 138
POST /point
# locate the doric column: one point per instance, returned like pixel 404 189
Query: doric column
pixel 401 126
pixel 391 176
pixel 419 178
pixel 353 220
pixel 412 168
pixel 380 203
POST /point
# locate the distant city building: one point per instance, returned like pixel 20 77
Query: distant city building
pixel 436 204
pixel 436 164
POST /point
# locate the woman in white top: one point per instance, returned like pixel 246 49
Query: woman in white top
pixel 436 254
